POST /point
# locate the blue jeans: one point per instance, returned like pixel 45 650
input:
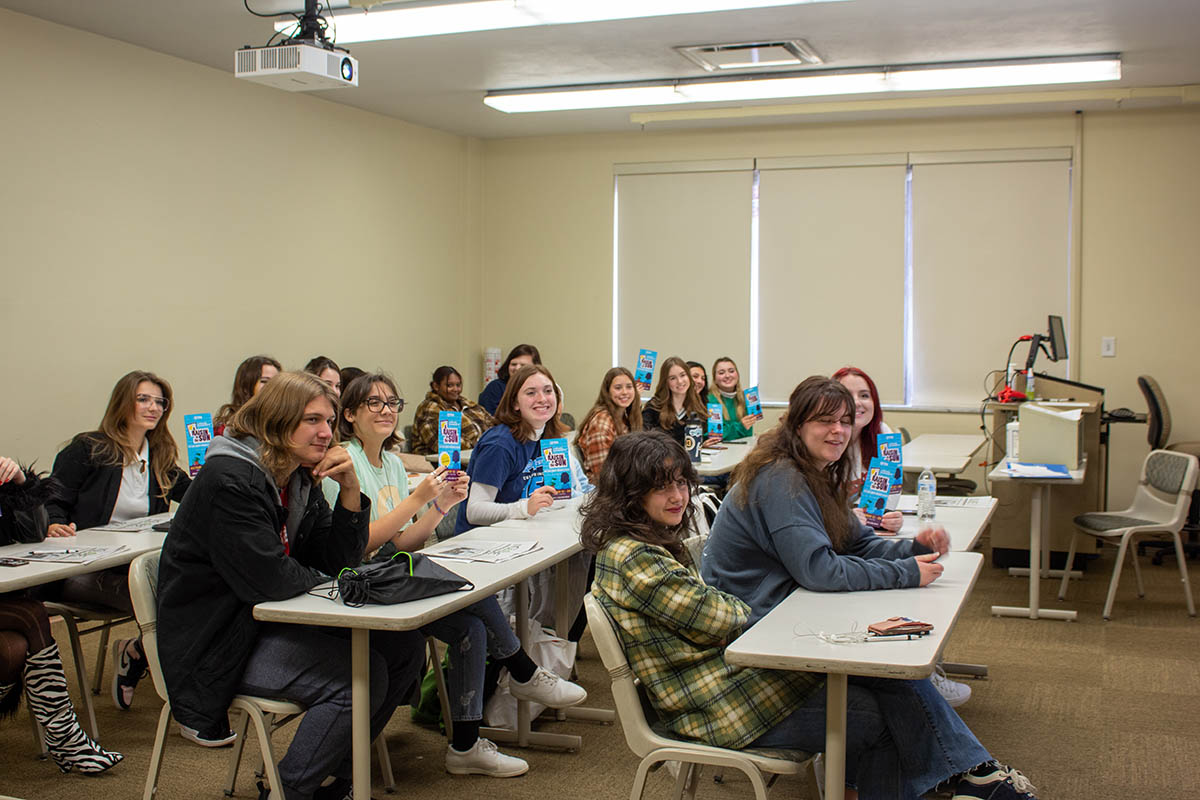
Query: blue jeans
pixel 472 634
pixel 311 666
pixel 902 738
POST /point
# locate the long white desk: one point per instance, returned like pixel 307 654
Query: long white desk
pixel 964 524
pixel 725 461
pixel 557 542
pixel 1039 544
pixel 948 453
pixel 133 544
pixel 782 640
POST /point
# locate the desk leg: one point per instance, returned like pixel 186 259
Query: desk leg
pixel 1036 501
pixel 523 627
pixel 835 736
pixel 360 713
pixel 1045 571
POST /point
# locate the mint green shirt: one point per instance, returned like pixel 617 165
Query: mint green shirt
pixel 386 486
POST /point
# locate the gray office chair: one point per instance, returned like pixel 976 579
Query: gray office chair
pixel 1158 435
pixel 1158 415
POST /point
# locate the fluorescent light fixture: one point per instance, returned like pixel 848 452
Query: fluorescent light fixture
pixel 868 80
pixel 812 86
pixel 575 99
pixel 980 77
pixel 487 15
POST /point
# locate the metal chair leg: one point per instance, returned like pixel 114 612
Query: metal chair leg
pixel 98 679
pixel 1183 573
pixel 1137 571
pixel 235 756
pixel 385 764
pixel 1116 576
pixel 1062 587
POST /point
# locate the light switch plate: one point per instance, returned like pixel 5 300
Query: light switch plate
pixel 1108 346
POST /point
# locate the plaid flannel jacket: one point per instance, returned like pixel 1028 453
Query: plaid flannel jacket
pixel 594 441
pixel 475 420
pixel 674 629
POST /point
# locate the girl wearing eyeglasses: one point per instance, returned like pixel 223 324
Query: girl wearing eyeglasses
pixel 367 425
pixel 123 471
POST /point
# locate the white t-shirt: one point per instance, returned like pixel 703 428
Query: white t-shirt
pixel 133 500
pixel 856 454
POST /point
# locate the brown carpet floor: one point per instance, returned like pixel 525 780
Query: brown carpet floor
pixel 1090 709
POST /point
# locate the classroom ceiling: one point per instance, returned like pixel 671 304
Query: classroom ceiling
pixel 440 81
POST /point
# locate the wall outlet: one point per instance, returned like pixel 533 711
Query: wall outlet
pixel 1108 346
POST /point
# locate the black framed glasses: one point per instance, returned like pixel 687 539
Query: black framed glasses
pixel 376 404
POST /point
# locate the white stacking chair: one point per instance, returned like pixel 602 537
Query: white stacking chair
pixel 267 714
pixel 655 748
pixel 1160 506
pixel 72 615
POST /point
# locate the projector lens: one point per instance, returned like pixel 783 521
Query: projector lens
pixel 347 69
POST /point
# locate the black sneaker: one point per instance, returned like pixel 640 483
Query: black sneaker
pixel 994 781
pixel 129 670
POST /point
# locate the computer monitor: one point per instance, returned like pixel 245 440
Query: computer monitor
pixel 1058 339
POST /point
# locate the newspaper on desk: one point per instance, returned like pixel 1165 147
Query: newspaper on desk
pixel 909 502
pixel 133 525
pixel 69 555
pixel 487 552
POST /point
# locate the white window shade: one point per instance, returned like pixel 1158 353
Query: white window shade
pixel 831 275
pixel 683 266
pixel 990 260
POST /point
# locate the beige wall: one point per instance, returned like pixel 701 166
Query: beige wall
pixel 547 234
pixel 163 215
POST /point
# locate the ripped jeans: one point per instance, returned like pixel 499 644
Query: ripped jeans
pixel 472 634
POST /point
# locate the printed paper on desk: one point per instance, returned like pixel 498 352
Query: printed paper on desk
pixel 1022 470
pixel 715 421
pixel 450 439
pixel 556 467
pixel 199 435
pixel 753 406
pixel 874 497
pixel 644 373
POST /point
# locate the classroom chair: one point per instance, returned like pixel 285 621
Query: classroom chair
pixel 72 615
pixel 267 714
pixel 655 747
pixel 1160 506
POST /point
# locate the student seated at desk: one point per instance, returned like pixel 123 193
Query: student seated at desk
pixel 507 481
pixel 520 356
pixel 252 374
pixel 254 527
pixel 367 426
pixel 675 404
pixel 868 424
pixel 123 471
pixel 785 524
pixel 726 392
pixel 615 412
pixel 29 656
pixel 863 446
pixel 699 378
pixel 327 370
pixel 445 394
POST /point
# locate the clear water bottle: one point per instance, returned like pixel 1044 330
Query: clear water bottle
pixel 926 494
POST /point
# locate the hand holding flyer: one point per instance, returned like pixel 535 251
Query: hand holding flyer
pixel 199 429
pixel 891 447
pixel 716 425
pixel 450 440
pixel 753 406
pixel 874 497
pixel 644 373
pixel 556 467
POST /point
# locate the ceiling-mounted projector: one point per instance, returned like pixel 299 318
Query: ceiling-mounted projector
pixel 303 62
pixel 296 67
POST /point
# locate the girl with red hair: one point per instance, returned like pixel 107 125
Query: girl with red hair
pixel 868 425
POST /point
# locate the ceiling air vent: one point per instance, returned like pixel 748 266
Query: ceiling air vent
pixel 790 53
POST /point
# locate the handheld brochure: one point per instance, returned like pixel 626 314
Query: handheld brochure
pixel 715 424
pixel 891 449
pixel 645 369
pixel 556 467
pixel 450 439
pixel 199 429
pixel 874 497
pixel 693 437
pixel 753 406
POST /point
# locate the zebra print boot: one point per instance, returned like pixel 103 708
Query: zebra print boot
pixel 46 688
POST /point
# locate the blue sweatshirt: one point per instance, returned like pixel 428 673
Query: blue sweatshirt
pixel 761 550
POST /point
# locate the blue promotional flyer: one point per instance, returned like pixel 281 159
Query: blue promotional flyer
pixel 753 406
pixel 874 497
pixel 556 467
pixel 450 439
pixel 644 373
pixel 199 436
pixel 891 450
pixel 716 424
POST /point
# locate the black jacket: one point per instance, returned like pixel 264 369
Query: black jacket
pixel 22 516
pixel 652 419
pixel 87 491
pixel 222 555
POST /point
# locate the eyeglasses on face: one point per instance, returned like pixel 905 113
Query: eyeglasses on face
pixel 376 404
pixel 146 399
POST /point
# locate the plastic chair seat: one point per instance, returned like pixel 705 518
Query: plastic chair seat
pixel 1102 522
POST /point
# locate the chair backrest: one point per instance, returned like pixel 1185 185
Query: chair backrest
pixel 1165 491
pixel 638 734
pixel 1158 416
pixel 143 591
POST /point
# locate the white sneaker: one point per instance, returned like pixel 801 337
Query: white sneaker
pixel 484 759
pixel 548 689
pixel 193 735
pixel 952 692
